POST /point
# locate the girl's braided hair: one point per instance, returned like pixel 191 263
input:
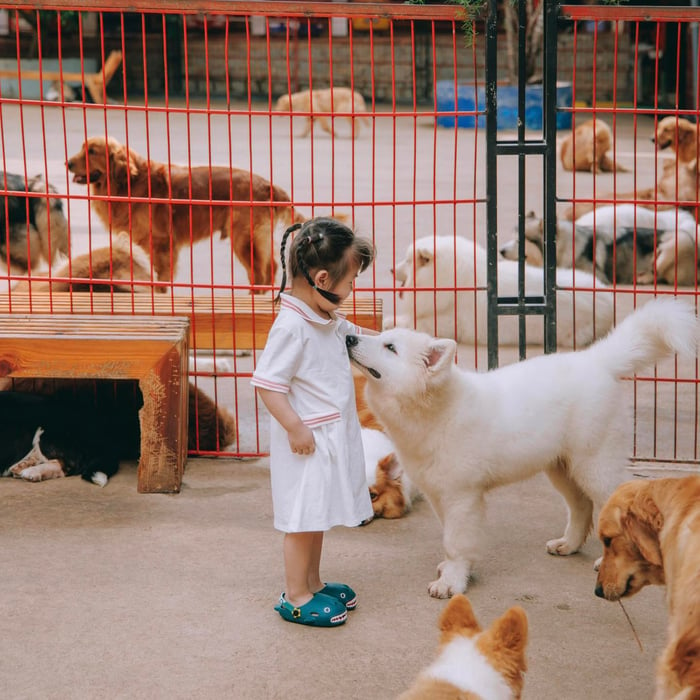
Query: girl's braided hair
pixel 322 244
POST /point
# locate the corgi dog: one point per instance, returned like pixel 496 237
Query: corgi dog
pixel 475 664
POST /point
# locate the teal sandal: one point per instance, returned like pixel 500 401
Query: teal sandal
pixel 341 592
pixel 320 611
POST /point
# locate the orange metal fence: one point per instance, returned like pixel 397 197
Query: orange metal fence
pixel 197 86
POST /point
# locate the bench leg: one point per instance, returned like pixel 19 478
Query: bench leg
pixel 163 420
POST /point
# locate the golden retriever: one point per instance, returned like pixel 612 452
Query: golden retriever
pixel 680 135
pixel 472 663
pixel 319 105
pixel 586 148
pixel 135 195
pixel 651 535
pixel 120 265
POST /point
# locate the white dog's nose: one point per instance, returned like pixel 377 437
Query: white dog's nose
pixel 351 340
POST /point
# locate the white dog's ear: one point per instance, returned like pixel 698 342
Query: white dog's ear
pixel 440 354
pixel 424 257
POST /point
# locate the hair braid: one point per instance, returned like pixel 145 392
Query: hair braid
pixel 283 257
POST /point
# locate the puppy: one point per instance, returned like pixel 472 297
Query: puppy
pixel 46 437
pixel 112 269
pixel 678 184
pixel 390 488
pixel 32 229
pixel 320 105
pixel 475 664
pixel 586 148
pixel 459 434
pixel 619 244
pixel 444 263
pixel 651 535
pixel 119 178
pixel 680 135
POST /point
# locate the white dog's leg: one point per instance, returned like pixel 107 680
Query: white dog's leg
pixel 462 539
pixel 580 516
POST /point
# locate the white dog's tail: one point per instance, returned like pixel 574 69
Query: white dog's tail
pixel 658 329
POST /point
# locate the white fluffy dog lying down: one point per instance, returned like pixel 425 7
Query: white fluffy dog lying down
pixel 436 259
pixel 459 434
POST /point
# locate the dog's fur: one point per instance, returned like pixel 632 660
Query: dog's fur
pixel 163 229
pixel 680 135
pixel 434 261
pixel 621 244
pixel 586 148
pixel 111 269
pixel 390 488
pixel 38 229
pixel 651 535
pixel 45 437
pixel 459 434
pixel 320 105
pixel 475 664
pixel 676 183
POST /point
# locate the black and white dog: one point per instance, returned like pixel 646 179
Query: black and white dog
pixel 31 228
pixel 46 437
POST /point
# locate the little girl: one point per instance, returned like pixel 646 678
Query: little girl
pixel 304 379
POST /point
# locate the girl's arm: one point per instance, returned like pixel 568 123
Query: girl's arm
pixel 301 439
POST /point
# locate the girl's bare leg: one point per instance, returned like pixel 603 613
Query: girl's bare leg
pixel 299 556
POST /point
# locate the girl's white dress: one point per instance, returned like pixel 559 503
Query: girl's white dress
pixel 306 357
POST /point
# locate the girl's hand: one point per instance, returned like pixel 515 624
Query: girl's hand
pixel 301 440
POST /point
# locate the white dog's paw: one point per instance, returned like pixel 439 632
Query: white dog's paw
pixel 560 547
pixel 453 578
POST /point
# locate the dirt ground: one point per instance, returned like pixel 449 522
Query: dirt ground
pixel 114 594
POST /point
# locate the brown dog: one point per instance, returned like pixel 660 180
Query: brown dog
pixel 586 148
pixel 124 179
pixel 475 664
pixel 319 105
pixel 651 535
pixel 680 135
pixel 117 267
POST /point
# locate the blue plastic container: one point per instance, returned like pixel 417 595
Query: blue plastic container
pixel 470 100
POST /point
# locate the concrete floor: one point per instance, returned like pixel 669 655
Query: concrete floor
pixel 112 594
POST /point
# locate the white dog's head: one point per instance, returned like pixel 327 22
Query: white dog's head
pixel 402 366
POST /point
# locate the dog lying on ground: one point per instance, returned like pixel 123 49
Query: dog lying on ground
pixel 622 244
pixel 45 437
pixel 459 434
pixel 390 488
pixel 678 184
pixel 32 229
pixel 163 229
pixel 651 535
pixel 680 135
pixel 210 427
pixel 475 664
pixel 111 269
pixel 320 105
pixel 586 148
pixel 431 264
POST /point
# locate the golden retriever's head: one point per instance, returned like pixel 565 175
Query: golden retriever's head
pixel 386 493
pixel 100 160
pixel 674 132
pixel 629 527
pixel 283 103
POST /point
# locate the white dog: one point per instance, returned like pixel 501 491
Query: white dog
pixel 459 434
pixel 432 263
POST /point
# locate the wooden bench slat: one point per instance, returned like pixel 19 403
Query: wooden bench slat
pixel 239 321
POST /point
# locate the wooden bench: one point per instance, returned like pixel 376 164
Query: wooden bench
pixel 221 322
pixel 94 82
pixel 151 349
